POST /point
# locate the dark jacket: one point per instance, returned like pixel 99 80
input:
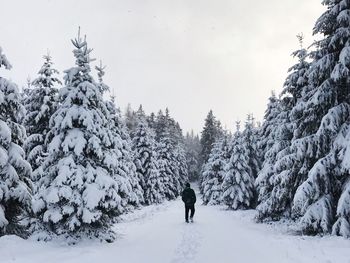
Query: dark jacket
pixel 188 196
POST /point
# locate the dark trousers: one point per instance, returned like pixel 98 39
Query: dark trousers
pixel 187 210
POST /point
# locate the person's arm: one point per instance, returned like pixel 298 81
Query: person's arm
pixel 194 197
pixel 183 196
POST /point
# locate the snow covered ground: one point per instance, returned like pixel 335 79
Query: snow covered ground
pixel 158 234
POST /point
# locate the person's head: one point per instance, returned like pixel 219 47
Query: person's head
pixel 188 185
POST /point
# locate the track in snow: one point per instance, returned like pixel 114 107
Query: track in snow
pixel 190 242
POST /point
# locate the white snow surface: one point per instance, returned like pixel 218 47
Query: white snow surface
pixel 158 234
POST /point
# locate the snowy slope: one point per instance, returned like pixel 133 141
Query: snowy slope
pixel 157 234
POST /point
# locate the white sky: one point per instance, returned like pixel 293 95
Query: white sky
pixel 189 55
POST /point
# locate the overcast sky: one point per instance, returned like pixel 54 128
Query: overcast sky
pixel 189 55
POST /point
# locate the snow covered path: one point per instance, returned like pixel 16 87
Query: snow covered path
pixel 157 234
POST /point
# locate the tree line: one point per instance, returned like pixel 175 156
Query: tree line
pixel 296 164
pixel 70 163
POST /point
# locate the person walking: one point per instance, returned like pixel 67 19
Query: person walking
pixel 189 198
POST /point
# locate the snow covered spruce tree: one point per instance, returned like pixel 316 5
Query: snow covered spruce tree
pixel 267 134
pixel 130 190
pixel 15 171
pixel 168 167
pixel 250 143
pixel 211 132
pixel 179 151
pixel 322 200
pixel 127 168
pixel 238 190
pixel 160 124
pixel 78 196
pixel 192 149
pixel 140 115
pixel 214 171
pixel 40 104
pixel 273 182
pixel 268 126
pixel 280 174
pixel 182 168
pixel 172 163
pixel 151 120
pixel 164 123
pixel 147 165
pixel 130 119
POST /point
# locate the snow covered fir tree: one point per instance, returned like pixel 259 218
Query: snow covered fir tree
pixel 212 130
pixel 78 196
pixel 15 171
pixel 131 192
pixel 40 103
pixel 147 164
pixel 322 199
pixel 238 191
pixel 214 171
pixel 193 149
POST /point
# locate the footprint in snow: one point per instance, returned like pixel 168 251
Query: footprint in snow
pixel 190 241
